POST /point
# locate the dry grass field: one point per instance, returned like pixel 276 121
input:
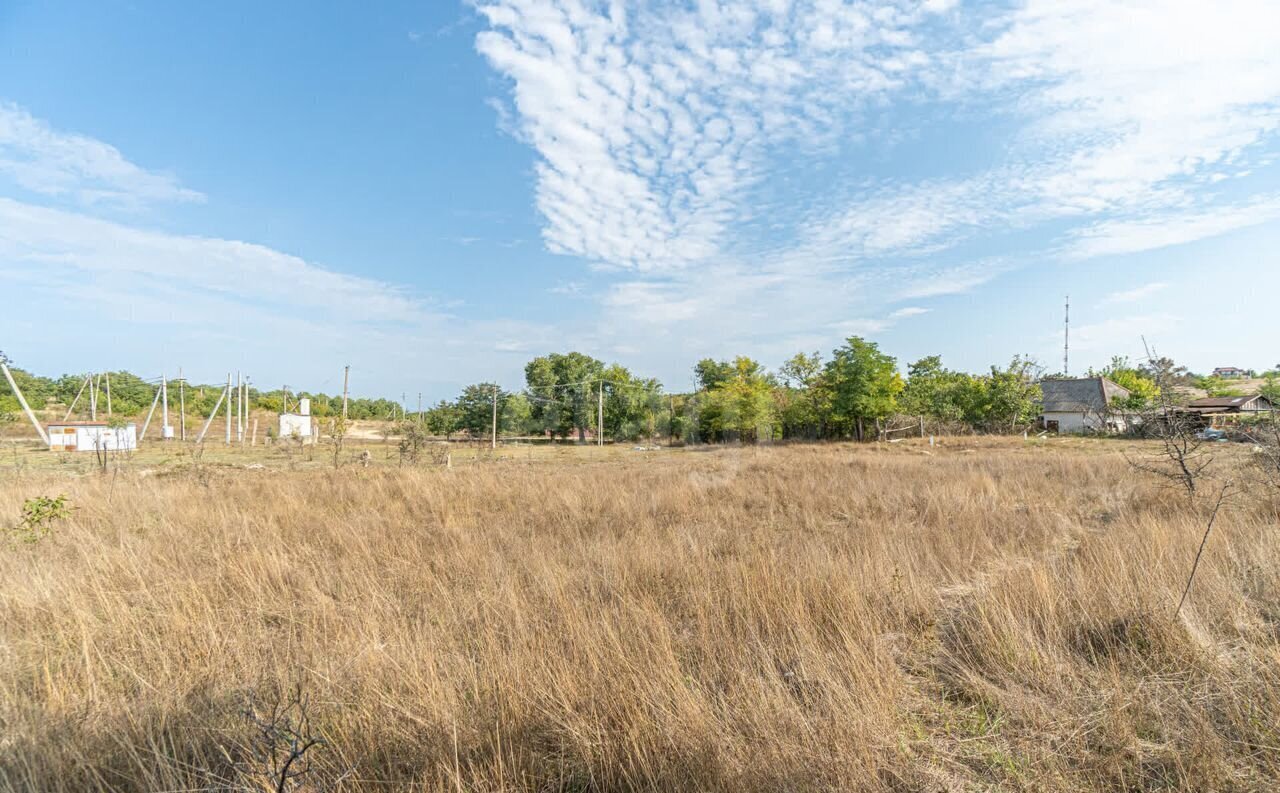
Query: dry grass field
pixel 985 615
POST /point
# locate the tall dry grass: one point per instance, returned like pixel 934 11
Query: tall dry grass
pixel 822 618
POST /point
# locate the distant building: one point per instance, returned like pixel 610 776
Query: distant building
pixel 1231 405
pixel 88 436
pixel 1082 405
pixel 297 425
pixel 1230 373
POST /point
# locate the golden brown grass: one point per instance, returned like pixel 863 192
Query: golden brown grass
pixel 804 618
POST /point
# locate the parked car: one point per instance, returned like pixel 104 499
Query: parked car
pixel 1210 434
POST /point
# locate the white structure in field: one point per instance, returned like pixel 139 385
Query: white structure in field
pixel 297 425
pixel 88 436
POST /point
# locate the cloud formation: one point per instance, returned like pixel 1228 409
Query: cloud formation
pixel 89 172
pixel 652 121
pixel 661 126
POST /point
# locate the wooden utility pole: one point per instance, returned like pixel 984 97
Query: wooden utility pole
pixel 346 374
pixel 23 401
pixel 229 398
pixel 212 415
pixel 182 402
pixel 600 416
pixel 108 376
pixel 93 398
pixel 494 440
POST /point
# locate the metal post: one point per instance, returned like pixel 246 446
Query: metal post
pixel 212 415
pixel 229 398
pixel 600 416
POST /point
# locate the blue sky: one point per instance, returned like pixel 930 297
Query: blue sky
pixel 436 192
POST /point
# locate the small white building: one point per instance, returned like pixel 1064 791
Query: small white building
pixel 89 436
pixel 298 425
pixel 1230 373
pixel 1083 404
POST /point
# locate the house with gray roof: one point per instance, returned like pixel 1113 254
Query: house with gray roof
pixel 1083 404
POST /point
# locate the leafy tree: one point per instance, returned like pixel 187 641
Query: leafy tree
pixel 1217 387
pixel 475 408
pixel 1142 388
pixel 740 404
pixel 1012 393
pixel 942 394
pixel 709 373
pixel 1271 387
pixel 630 403
pixel 864 383
pixel 444 419
pixel 563 390
pixel 803 401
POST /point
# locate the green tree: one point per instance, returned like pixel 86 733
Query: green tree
pixel 803 400
pixel 563 391
pixel 740 405
pixel 864 384
pixel 1142 388
pixel 444 419
pixel 475 408
pixel 1012 394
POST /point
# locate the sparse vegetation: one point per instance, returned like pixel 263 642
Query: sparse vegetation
pixel 985 614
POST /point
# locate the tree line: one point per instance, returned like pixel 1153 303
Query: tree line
pixel 856 392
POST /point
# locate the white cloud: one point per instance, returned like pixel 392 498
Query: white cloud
pixel 1128 109
pixel 1112 237
pixel 658 127
pixel 1136 294
pixel 109 252
pixel 909 311
pixel 651 122
pixel 134 297
pixel 43 160
pixel 1120 333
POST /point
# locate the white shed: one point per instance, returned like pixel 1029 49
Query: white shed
pixel 297 425
pixel 88 436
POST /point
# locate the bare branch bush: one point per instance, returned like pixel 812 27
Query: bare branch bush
pixel 1181 459
pixel 283 741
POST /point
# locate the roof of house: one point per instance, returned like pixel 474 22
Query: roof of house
pixel 1226 403
pixel 86 424
pixel 1080 394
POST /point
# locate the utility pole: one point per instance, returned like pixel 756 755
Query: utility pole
pixel 493 443
pixel 228 408
pixel 402 404
pixel 1066 338
pixel 239 409
pixel 213 415
pixel 166 432
pixel 93 398
pixel 346 373
pixel 4 365
pixel 154 401
pixel 244 408
pixel 83 386
pixel 182 402
pixel 419 407
pixel 600 416
pixel 108 375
